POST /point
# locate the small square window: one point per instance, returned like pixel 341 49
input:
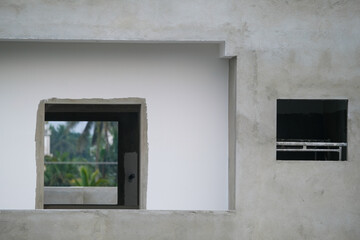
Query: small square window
pixel 311 130
pixel 92 154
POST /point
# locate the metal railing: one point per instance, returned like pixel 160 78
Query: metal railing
pixel 84 163
pixel 283 146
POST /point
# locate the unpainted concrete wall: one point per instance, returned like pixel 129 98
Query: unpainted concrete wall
pixel 112 224
pixel 284 49
pixel 80 195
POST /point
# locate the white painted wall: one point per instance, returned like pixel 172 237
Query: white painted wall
pixel 185 87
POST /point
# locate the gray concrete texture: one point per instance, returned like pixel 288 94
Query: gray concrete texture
pixel 80 195
pixel 284 49
pixel 112 224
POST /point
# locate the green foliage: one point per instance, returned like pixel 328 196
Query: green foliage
pixel 59 174
pixel 88 178
pixel 65 141
pixel 95 137
pixel 92 145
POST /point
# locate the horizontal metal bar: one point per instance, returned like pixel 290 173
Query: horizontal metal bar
pixel 84 163
pixel 306 150
pixel 314 144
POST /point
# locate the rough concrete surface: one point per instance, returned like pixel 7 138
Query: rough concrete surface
pixel 80 195
pixel 284 49
pixel 112 224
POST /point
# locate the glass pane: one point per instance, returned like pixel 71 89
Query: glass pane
pixel 309 129
pixel 81 162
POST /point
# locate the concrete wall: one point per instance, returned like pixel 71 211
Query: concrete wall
pixel 80 195
pixel 111 224
pixel 285 49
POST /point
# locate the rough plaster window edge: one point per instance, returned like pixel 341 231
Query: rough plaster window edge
pixel 39 141
pixel 330 163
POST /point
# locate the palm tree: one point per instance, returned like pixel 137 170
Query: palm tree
pixel 100 134
pixel 64 141
pixel 88 178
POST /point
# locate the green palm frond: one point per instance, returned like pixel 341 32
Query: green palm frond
pixel 88 179
pixel 93 177
pixel 84 176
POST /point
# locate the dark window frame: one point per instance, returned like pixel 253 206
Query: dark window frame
pixel 99 112
pixel 300 143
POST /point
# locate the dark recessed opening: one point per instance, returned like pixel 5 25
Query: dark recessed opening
pixel 311 130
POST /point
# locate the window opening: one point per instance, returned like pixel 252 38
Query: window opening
pixel 311 130
pixel 91 156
